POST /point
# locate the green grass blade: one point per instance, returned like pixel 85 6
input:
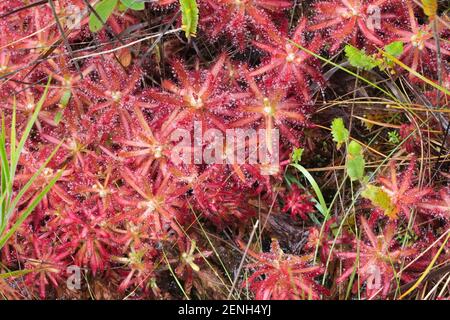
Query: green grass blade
pixel 12 150
pixel 4 175
pixel 24 189
pixel 415 73
pixel 28 210
pixel 346 70
pixel 28 128
pixel 316 188
pixel 172 272
pixel 17 273
pixel 3 155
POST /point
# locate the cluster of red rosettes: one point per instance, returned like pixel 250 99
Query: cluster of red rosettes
pixel 123 209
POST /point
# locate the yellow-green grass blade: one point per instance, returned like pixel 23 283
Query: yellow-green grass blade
pixel 32 179
pixel 26 212
pixel 28 128
pixel 346 70
pixel 415 73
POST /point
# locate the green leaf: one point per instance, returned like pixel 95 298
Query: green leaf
pixel 380 199
pixel 339 132
pixel 359 58
pixel 394 48
pixel 354 149
pixel 189 12
pixel 133 4
pixel 104 9
pixel 355 161
pixel 296 156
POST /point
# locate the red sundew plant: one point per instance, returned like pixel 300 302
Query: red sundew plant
pixel 191 257
pixel 409 133
pixel 68 84
pixel 132 236
pixel 73 16
pixel 5 57
pixel 143 222
pixel 198 96
pixel 420 47
pixel 73 148
pixel 140 265
pixel 9 64
pixel 58 193
pixel 159 205
pixel 48 264
pixel 439 205
pixel 235 18
pixel 87 232
pixel 114 90
pixel 285 276
pixel 214 194
pixel 7 6
pixel 345 20
pixel 298 203
pixel 289 63
pixel 225 206
pixel 220 203
pixel 99 188
pixel 44 37
pixel 319 240
pixel 152 148
pixel 404 196
pixel 25 105
pixel 376 261
pixel 273 107
pixel 437 97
